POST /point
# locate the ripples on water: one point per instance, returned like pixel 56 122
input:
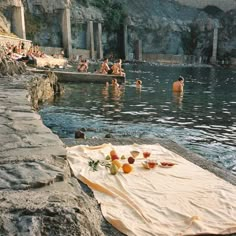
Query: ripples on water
pixel 203 119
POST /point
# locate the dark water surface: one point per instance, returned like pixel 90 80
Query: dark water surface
pixel 203 119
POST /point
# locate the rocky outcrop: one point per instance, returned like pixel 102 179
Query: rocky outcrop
pixel 4 24
pixel 15 3
pixel 11 67
pixel 44 88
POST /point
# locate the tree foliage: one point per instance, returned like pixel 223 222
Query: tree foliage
pixel 114 14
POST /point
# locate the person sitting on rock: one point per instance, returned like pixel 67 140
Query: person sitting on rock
pixel 116 68
pixel 83 66
pixel 104 67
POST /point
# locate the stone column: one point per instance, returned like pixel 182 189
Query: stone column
pixel 215 42
pixel 90 39
pixel 66 32
pixel 125 41
pixel 18 22
pixel 138 50
pixel 99 42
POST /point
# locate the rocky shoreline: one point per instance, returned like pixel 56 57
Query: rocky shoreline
pixel 39 195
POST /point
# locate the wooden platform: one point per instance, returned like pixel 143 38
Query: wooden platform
pixel 76 77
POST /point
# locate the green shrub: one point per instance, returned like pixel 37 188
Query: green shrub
pixel 114 13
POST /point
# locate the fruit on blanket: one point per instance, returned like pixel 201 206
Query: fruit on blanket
pixel 127 168
pixel 113 152
pixel 134 153
pixel 108 158
pixel 131 160
pixel 114 157
pixel 117 163
pixel 113 169
pixel 123 157
pixel 146 154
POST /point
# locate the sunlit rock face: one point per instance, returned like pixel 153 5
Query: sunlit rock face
pixel 165 27
pixel 4 24
pixel 6 3
pixel 49 5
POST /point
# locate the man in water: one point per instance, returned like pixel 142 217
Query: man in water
pixel 178 86
pixel 138 83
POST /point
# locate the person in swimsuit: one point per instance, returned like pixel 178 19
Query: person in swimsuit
pixel 178 86
pixel 83 66
pixel 104 67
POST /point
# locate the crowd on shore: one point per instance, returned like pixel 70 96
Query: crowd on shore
pixel 19 52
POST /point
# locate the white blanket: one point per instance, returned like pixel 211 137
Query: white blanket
pixel 182 200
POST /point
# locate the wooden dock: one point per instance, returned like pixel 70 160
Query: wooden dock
pixel 77 77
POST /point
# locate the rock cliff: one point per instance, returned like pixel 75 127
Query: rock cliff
pixel 165 27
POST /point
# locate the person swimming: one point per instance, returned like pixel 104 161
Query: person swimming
pixel 114 83
pixel 138 83
pixel 178 86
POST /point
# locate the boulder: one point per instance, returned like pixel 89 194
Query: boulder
pixel 44 88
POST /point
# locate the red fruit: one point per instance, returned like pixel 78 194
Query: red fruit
pixel 114 157
pixel 131 160
pixel 113 152
pixel 146 154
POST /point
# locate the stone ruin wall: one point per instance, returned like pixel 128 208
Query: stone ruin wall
pixel 6 3
pixel 224 5
pixel 49 5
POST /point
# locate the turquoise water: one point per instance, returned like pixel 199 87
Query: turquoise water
pixel 203 119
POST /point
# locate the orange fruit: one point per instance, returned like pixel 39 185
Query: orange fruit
pixel 117 163
pixel 127 168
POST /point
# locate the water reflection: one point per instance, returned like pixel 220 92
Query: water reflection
pixel 178 99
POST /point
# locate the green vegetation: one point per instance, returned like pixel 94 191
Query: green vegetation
pixel 32 24
pixel 114 12
pixel 190 40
